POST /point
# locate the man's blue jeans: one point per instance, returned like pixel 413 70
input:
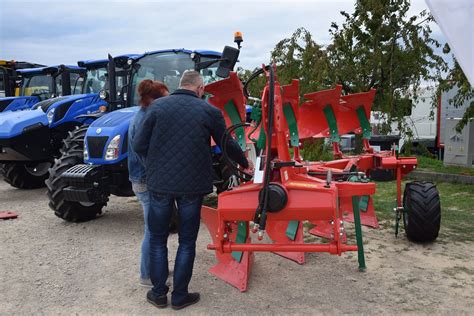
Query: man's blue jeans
pixel 189 212
pixel 144 199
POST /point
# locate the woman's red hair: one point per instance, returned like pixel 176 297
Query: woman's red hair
pixel 150 90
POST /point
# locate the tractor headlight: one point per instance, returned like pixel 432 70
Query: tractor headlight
pixel 112 151
pixel 103 94
pixel 50 115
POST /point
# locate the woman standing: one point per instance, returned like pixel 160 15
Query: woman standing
pixel 148 90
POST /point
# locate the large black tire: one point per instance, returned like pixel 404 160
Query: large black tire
pixel 72 154
pixel 422 215
pixel 24 175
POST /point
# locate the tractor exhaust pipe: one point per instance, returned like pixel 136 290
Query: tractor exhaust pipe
pixel 112 83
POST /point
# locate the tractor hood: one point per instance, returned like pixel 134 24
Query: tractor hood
pixel 17 103
pixel 66 109
pixel 13 123
pixel 103 130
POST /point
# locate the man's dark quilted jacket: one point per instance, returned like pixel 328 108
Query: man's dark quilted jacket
pixel 175 142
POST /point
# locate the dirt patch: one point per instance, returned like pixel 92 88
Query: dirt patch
pixel 51 266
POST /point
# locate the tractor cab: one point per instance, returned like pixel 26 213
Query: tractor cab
pixel 9 76
pixel 96 75
pixel 39 84
pixel 167 66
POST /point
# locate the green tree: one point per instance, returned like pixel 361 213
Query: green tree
pixel 458 80
pixel 300 57
pixel 380 47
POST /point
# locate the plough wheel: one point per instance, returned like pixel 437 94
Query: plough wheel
pixel 422 215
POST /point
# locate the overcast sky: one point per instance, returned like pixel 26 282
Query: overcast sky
pixel 55 32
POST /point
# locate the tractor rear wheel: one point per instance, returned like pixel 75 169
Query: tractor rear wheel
pixel 422 211
pixel 72 154
pixel 25 175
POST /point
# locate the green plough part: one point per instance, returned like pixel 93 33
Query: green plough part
pixel 242 234
pixel 292 229
pixel 235 118
pixel 364 200
pixel 358 229
pixel 262 139
pixel 364 203
pixel 332 123
pixel 364 123
pixel 292 125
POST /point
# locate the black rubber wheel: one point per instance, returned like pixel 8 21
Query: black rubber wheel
pixel 382 175
pixel 72 154
pixel 422 216
pixel 23 175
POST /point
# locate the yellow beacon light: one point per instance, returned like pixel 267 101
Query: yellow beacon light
pixel 238 38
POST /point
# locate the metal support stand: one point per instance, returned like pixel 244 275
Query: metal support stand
pixel 358 229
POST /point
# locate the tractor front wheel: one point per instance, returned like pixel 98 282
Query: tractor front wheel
pixel 422 211
pixel 23 175
pixel 72 155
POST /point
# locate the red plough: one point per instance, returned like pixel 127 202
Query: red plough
pixel 285 191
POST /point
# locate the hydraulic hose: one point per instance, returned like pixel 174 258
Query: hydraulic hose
pixel 225 156
pixel 252 77
pixel 268 173
pixel 260 217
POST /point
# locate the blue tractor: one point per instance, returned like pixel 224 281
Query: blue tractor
pixel 30 140
pixel 42 83
pixel 95 164
pixel 9 76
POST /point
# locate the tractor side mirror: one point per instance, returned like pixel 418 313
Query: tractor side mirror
pixel 227 62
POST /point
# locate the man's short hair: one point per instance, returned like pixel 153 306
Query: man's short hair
pixel 191 78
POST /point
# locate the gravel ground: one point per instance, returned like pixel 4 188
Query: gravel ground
pixel 51 266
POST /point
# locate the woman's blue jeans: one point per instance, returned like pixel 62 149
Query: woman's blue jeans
pixel 189 212
pixel 144 199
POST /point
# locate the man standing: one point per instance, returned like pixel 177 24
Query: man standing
pixel 175 141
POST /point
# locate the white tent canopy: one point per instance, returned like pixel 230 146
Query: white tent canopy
pixel 456 20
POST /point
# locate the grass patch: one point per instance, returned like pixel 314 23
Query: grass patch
pixel 435 165
pixel 457 208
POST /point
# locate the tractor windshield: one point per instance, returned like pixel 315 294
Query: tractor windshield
pixel 95 80
pixel 40 85
pixel 167 68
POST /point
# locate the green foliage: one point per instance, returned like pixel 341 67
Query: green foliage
pixel 299 57
pixel 316 150
pixel 256 86
pixel 457 79
pixel 420 150
pixel 380 47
